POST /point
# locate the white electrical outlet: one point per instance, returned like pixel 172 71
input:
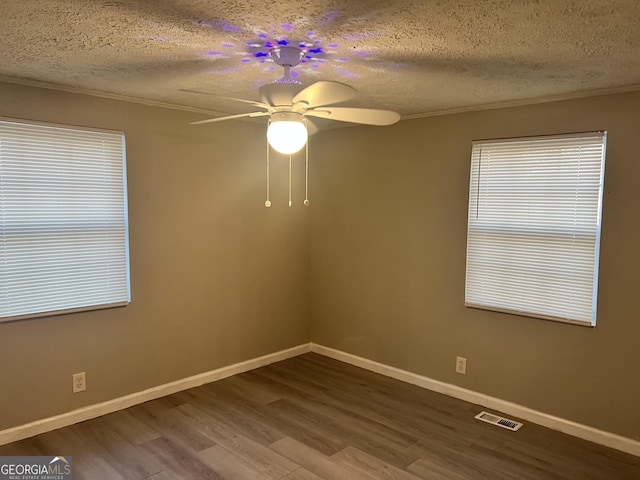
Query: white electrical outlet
pixel 461 365
pixel 79 382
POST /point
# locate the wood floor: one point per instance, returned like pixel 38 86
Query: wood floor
pixel 311 417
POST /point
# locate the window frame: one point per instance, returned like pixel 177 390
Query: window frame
pixel 475 203
pixel 124 259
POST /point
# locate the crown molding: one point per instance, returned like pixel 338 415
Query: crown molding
pixel 413 116
pixel 526 102
pixel 107 95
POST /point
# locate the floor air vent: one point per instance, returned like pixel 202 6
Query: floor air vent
pixel 499 421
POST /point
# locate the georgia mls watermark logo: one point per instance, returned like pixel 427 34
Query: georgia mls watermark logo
pixel 35 468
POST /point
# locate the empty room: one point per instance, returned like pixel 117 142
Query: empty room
pixel 319 240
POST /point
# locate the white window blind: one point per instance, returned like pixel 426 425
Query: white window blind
pixel 63 214
pixel 534 226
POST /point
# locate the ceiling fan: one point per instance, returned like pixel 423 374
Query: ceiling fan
pixel 289 104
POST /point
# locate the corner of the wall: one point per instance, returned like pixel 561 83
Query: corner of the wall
pixel 585 432
pixel 37 427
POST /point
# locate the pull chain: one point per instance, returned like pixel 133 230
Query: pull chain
pixel 289 179
pixel 267 202
pixel 306 175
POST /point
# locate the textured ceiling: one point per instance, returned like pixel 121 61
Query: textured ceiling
pixel 415 57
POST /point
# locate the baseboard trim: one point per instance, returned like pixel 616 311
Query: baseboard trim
pixel 585 432
pixel 97 410
pixel 569 427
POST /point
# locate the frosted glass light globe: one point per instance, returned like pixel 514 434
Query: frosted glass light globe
pixel 287 133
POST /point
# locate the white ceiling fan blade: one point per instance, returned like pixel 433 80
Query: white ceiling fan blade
pixel 365 116
pixel 231 117
pixel 250 102
pixel 324 93
pixel 312 128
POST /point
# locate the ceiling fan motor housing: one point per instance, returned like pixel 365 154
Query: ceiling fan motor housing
pixel 287 56
pixel 279 94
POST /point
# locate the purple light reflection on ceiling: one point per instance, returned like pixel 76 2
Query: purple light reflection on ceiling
pixel 219 25
pixel 359 36
pixel 317 53
pixel 330 17
pixel 346 73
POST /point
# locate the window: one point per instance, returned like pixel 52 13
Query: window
pixel 63 220
pixel 534 226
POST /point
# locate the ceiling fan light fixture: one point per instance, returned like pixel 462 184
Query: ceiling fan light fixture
pixel 287 132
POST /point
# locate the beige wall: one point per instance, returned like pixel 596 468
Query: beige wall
pixel 216 278
pixel 388 239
